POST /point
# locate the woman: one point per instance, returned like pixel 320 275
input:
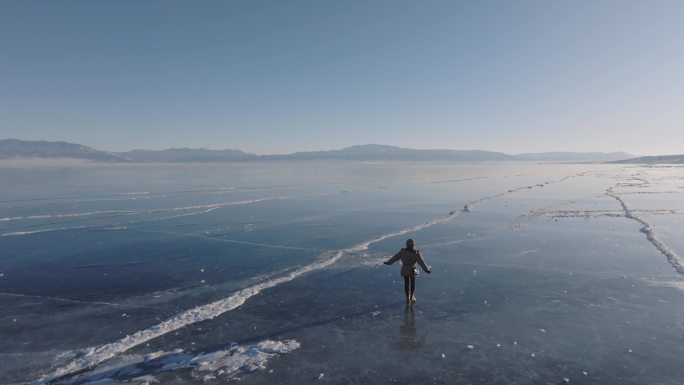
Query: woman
pixel 409 257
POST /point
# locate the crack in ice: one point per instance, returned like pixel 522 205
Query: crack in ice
pixel 675 260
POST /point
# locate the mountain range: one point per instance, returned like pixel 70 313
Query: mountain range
pixel 15 148
pixel 660 159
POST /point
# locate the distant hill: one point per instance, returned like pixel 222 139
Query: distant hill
pixel 388 153
pixel 188 155
pixel 382 152
pixel 575 156
pixel 13 148
pixel 661 159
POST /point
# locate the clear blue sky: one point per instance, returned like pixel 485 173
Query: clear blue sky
pixel 279 76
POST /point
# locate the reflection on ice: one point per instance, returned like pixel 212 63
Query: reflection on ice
pixel 410 339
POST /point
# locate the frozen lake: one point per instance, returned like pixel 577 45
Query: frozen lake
pixel 272 274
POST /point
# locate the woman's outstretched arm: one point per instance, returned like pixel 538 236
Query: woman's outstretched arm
pixel 395 258
pixel 422 264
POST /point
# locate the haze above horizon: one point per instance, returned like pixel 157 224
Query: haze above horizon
pixel 280 77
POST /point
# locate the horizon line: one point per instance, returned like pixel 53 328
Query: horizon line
pixel 330 149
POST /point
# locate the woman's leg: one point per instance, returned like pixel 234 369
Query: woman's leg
pixel 406 286
pixel 413 285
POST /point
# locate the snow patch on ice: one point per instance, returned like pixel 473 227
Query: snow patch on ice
pixel 674 284
pixel 222 363
pixel 373 260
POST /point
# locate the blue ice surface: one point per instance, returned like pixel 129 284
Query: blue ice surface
pixel 524 289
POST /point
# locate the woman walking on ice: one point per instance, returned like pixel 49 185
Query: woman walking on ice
pixel 409 257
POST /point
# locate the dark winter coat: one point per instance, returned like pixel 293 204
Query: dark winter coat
pixel 409 258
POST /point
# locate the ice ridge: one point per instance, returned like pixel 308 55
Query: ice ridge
pixel 675 260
